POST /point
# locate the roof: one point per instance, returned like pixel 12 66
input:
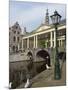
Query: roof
pixel 15 25
pixel 40 27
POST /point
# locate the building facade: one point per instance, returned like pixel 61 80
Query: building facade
pixel 14 38
pixel 43 37
pixel 44 34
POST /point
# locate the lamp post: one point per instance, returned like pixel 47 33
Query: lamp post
pixel 55 20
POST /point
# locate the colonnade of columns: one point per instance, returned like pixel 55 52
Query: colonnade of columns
pixel 60 42
pixel 35 40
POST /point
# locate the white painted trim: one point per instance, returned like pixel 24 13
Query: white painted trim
pixel 42 32
pixel 34 41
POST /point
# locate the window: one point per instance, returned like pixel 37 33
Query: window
pixel 14 32
pixel 16 27
pixel 18 39
pixel 14 38
pixel 14 48
pixel 18 32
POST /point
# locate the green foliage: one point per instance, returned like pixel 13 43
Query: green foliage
pixel 42 43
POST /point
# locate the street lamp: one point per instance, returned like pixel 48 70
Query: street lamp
pixel 55 20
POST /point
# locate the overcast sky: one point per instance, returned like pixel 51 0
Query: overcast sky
pixel 32 14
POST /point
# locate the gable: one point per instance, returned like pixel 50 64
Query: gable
pixel 42 28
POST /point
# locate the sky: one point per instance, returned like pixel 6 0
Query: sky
pixel 32 14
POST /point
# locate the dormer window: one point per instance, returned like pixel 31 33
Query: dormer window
pixel 16 27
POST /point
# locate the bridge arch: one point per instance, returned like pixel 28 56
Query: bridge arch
pixel 44 55
pixel 30 64
pixel 29 53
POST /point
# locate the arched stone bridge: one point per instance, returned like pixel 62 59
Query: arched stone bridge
pixel 39 54
pixel 44 53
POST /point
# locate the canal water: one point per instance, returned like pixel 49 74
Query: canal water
pixel 20 70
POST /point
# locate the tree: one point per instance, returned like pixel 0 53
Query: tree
pixel 42 43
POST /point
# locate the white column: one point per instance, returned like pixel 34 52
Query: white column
pixel 51 44
pixel 54 39
pixel 22 45
pixel 27 42
pixel 34 41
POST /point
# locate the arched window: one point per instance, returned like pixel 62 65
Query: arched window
pixel 14 38
pixel 14 32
